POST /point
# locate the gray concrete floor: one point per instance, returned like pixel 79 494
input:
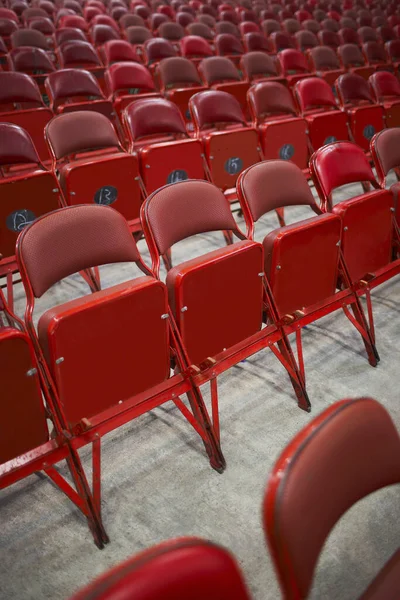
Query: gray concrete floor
pixel 157 483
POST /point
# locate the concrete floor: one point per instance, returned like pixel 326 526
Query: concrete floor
pixel 157 483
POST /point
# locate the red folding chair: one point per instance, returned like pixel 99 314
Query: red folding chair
pixel 116 51
pixel 348 35
pixel 318 106
pixel 21 103
pixel 75 21
pixel 270 26
pixel 303 262
pixel 367 34
pixel 128 82
pixel 376 57
pixel 305 40
pixel 195 48
pixel 33 62
pixel 259 66
pixel 71 336
pixel 393 52
pixel 283 134
pixel 201 30
pixel 28 190
pixel 138 36
pixel 173 32
pixel 329 38
pixel 294 65
pixel 281 41
pixel 75 89
pixel 353 60
pixel 291 26
pixel 179 81
pixel 346 453
pixel 27 446
pixel 92 165
pixel 68 34
pixel 365 116
pixel 30 38
pixel 173 570
pixel 229 46
pixel 386 157
pixel 156 132
pixel 386 89
pixel 325 63
pixel 201 290
pixel 370 239
pixel 230 145
pixel 100 34
pixel 256 42
pixel 155 49
pixel 76 54
pixel 220 73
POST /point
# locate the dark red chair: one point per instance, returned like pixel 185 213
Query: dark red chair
pixel 179 81
pixel 21 103
pixel 201 289
pixel 76 54
pixel 303 261
pixel 329 38
pixel 27 191
pixel 116 51
pixel 386 89
pixel 281 41
pixel 34 62
pixel 259 66
pixel 376 56
pixel 27 446
pixel 138 376
pixel 173 570
pixel 353 60
pixel 385 153
pixel 393 52
pixel 325 63
pixel 370 239
pixel 156 132
pixel 229 46
pixel 346 453
pixel 283 133
pixel 305 40
pixel 230 145
pixel 365 116
pixel 91 164
pixel 220 73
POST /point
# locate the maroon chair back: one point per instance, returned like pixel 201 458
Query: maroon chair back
pixel 349 451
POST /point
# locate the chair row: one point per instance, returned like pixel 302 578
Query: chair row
pixel 183 328
pixel 90 165
pixel 361 431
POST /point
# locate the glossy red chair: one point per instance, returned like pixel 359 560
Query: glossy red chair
pixel 75 21
pixel 27 190
pixel 302 262
pixel 21 103
pixel 116 51
pixel 353 60
pixel 157 133
pixel 138 377
pixel 27 446
pixel 386 157
pixel 349 451
pixel 128 82
pixel 173 570
pixel 155 49
pixel 220 73
pixel 365 116
pixel 195 48
pixel 283 134
pixel 92 166
pixel 230 145
pixel 386 89
pixel 207 291
pixel 294 65
pixel 348 35
pixel 179 81
pixel 318 106
pixel 370 239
